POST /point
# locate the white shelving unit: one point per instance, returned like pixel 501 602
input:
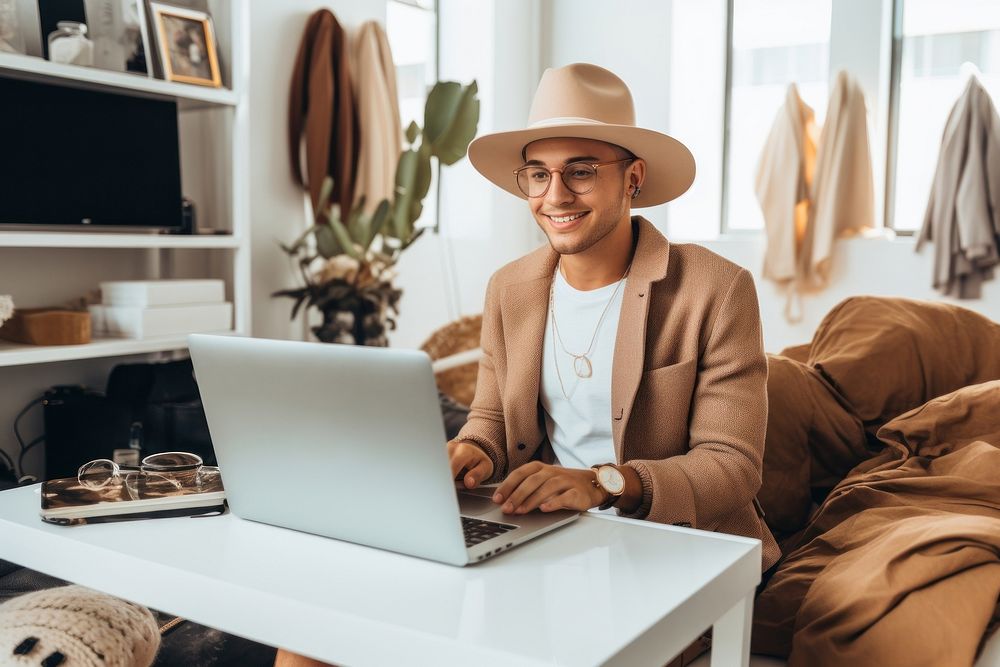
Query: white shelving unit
pixel 221 184
pixel 188 96
pixel 13 354
pixel 115 240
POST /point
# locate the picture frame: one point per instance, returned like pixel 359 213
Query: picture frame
pixel 186 44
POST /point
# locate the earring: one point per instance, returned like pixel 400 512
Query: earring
pixel 635 192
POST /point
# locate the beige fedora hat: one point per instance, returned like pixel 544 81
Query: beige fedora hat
pixel 582 100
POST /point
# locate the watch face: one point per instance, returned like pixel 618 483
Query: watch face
pixel 611 479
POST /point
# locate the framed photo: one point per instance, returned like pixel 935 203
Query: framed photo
pixel 185 40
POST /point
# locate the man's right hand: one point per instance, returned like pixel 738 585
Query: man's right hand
pixel 468 457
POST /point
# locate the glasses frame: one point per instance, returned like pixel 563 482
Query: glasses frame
pixel 595 165
pixel 147 467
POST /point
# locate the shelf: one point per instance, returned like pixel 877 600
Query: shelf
pixel 188 96
pixel 113 240
pixel 15 354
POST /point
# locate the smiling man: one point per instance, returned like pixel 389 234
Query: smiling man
pixel 620 372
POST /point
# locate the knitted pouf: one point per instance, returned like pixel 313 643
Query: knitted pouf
pixel 73 626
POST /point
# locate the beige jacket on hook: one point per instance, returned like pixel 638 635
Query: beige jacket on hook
pixel 375 90
pixel 963 210
pixel 783 182
pixel 843 189
pixel 813 192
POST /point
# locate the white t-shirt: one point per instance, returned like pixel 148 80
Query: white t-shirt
pixel 579 428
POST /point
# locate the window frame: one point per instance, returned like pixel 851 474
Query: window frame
pixel 434 225
pixel 884 152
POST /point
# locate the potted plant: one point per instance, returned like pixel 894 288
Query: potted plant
pixel 348 266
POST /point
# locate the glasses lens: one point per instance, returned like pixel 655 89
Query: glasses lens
pixel 171 461
pixel 579 177
pixel 97 474
pixel 533 181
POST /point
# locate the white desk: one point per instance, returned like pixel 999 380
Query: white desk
pixel 601 590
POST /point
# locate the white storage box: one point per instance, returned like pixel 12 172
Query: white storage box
pixel 162 292
pixel 137 322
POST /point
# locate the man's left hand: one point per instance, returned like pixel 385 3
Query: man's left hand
pixel 537 485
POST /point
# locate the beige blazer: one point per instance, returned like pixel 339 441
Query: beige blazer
pixel 689 376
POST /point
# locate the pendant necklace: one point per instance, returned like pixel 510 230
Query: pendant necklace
pixel 582 365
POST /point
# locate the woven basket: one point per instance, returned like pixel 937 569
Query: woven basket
pixel 458 336
pixel 47 326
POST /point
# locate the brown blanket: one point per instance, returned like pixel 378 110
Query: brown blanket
pixel 901 563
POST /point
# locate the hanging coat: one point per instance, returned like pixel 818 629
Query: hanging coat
pixel 322 125
pixel 783 181
pixel 843 189
pixel 378 106
pixel 963 211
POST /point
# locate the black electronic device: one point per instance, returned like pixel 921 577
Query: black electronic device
pixel 88 159
pixel 157 402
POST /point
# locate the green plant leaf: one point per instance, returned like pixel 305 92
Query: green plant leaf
pixel 406 176
pixel 324 193
pixel 412 132
pixel 344 238
pixel 299 242
pixel 326 241
pixel 451 115
pixel 413 180
pixel 378 219
pixel 413 239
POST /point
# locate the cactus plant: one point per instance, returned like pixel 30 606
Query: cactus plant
pixel 352 285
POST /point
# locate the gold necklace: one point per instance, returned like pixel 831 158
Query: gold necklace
pixel 581 362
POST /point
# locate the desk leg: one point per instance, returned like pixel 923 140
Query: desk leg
pixel 731 635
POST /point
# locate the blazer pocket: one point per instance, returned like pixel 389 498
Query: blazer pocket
pixel 660 413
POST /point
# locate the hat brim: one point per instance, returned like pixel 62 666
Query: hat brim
pixel 670 167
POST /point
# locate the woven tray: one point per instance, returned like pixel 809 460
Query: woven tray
pixel 47 326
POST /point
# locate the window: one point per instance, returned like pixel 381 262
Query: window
pixel 774 43
pixel 411 27
pixel 939 44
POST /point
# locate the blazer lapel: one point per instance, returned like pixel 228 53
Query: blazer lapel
pixel 524 306
pixel 649 264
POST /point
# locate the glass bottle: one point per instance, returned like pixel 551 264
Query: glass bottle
pixel 69 44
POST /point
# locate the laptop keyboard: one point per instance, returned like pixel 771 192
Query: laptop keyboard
pixel 477 530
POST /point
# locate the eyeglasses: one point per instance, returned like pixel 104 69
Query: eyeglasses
pixel 163 469
pixel 579 177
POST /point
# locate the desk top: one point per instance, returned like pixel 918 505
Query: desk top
pixel 581 595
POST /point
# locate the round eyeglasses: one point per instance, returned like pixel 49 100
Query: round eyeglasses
pixel 579 177
pixel 170 469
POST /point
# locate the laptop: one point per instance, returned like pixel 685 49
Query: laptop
pixel 347 442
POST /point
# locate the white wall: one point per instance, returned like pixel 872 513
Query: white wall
pixel 877 266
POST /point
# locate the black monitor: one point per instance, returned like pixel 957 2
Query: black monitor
pixel 83 158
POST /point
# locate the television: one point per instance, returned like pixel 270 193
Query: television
pixel 77 158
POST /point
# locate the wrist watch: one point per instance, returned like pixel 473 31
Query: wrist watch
pixel 610 479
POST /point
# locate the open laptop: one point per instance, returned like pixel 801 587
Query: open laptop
pixel 347 442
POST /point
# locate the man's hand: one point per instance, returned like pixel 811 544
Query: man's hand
pixel 549 488
pixel 467 456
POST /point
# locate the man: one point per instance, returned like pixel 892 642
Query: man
pixel 612 347
pixel 619 371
